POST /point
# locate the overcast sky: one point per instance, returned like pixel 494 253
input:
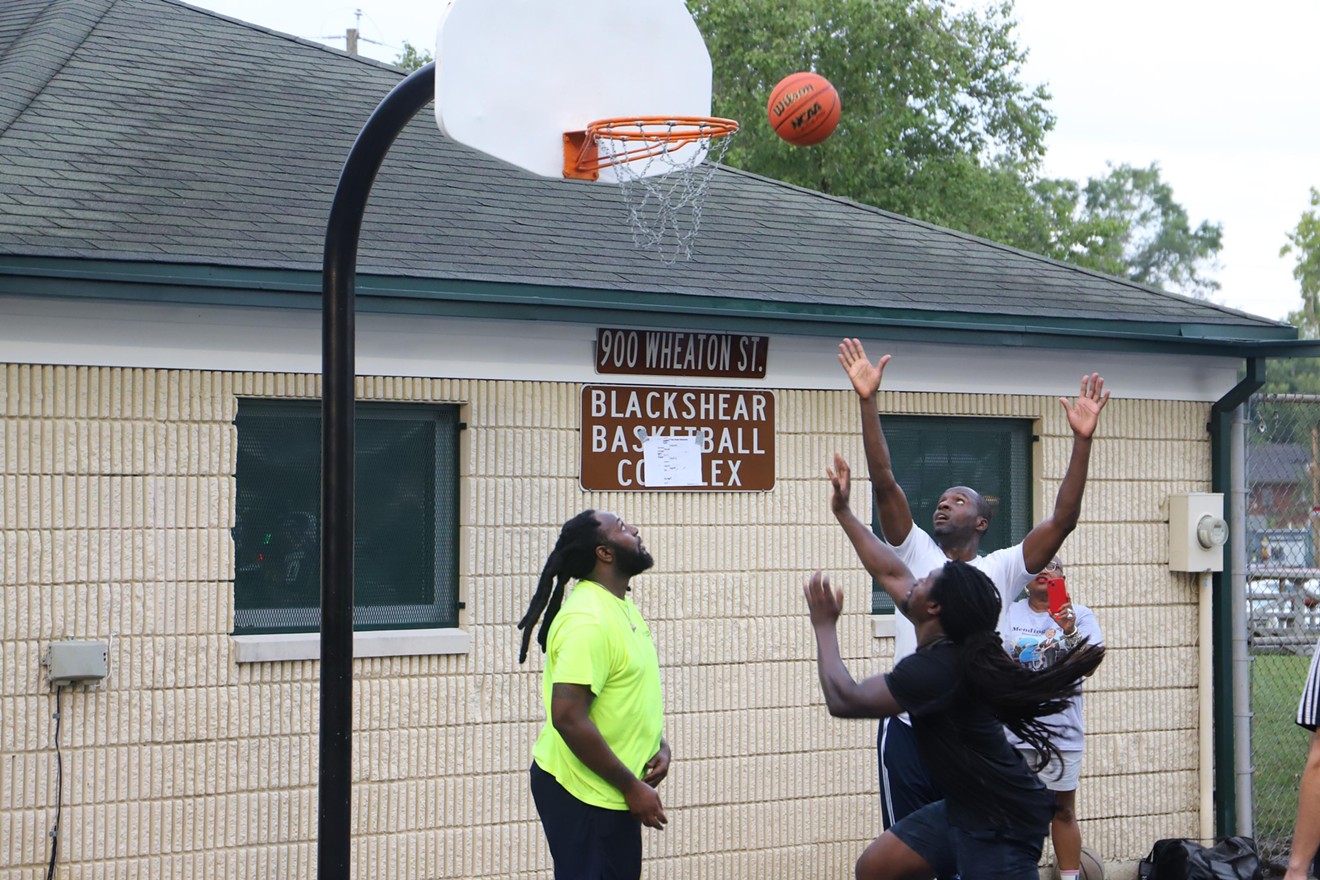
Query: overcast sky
pixel 1225 97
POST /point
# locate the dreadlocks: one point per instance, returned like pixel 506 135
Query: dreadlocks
pixel 1018 697
pixel 573 558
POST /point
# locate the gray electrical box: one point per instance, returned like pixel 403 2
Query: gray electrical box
pixel 72 661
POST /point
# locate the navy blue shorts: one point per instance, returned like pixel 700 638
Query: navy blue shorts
pixel 586 842
pixel 904 785
pixel 926 832
pixel 972 855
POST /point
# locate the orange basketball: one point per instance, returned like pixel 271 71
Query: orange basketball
pixel 803 109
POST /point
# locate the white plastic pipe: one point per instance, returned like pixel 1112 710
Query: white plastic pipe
pixel 1207 706
pixel 1237 565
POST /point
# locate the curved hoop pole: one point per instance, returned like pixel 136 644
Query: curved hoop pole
pixel 339 266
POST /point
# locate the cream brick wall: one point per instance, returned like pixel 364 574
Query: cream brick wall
pixel 117 496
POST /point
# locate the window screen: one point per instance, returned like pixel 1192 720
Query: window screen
pixel 992 456
pixel 406 516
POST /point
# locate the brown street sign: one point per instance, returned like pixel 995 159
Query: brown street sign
pixel 680 353
pixel 727 438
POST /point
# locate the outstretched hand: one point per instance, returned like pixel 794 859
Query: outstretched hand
pixel 824 605
pixel 840 484
pixel 1084 415
pixel 864 375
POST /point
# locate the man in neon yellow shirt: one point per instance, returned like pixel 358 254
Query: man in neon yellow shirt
pixel 602 750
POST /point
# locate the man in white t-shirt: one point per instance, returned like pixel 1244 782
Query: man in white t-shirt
pixel 961 519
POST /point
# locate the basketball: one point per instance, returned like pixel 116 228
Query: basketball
pixel 803 109
pixel 1092 867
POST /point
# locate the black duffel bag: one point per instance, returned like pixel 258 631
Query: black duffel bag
pixel 1233 858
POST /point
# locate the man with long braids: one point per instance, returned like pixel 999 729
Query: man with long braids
pixel 602 750
pixel 961 690
pixel 961 518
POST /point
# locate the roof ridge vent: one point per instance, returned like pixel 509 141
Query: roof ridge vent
pixel 42 49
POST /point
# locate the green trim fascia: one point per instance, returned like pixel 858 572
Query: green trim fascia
pixel 301 289
pixel 1221 465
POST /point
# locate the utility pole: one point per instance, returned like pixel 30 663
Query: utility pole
pixel 352 36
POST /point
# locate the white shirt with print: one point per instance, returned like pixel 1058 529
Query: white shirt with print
pixel 1035 640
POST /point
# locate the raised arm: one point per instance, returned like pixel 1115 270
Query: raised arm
pixel 878 558
pixel 845 697
pixel 890 502
pixel 1044 541
pixel 570 707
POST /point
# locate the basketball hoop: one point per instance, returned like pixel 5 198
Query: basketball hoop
pixel 663 166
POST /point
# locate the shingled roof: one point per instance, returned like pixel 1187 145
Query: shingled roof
pixel 153 132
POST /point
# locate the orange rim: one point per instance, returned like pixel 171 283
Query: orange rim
pixel 654 135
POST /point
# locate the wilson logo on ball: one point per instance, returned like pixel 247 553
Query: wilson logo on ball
pixel 787 100
pixel 803 108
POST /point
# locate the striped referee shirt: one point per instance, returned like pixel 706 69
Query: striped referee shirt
pixel 1308 708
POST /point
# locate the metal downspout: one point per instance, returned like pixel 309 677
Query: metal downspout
pixel 1222 467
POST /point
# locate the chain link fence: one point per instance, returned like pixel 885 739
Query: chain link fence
pixel 1283 600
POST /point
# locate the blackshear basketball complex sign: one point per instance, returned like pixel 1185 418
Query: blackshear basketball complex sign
pixel 644 437
pixel 649 437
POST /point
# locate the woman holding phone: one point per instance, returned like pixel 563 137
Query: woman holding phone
pixel 1041 630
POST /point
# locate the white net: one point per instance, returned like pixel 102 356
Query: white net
pixel 665 188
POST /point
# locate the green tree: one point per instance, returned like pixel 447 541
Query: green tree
pixel 1302 375
pixel 1127 224
pixel 1304 246
pixel 411 58
pixel 1292 375
pixel 937 123
pixel 1066 231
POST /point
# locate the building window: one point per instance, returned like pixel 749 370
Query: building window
pixel 992 456
pixel 405 569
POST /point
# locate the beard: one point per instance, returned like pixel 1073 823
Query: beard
pixel 632 561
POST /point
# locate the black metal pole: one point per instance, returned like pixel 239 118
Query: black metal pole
pixel 334 819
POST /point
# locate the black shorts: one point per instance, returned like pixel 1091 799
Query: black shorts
pixel 586 842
